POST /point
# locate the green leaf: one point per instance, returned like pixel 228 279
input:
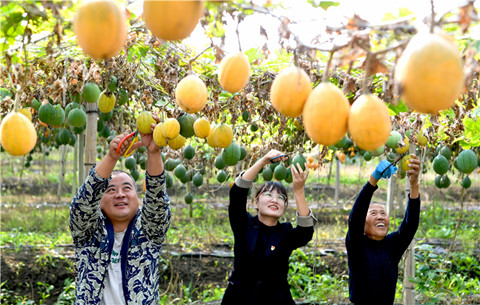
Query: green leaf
pixel 396 109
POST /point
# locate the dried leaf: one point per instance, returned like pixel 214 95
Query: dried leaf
pixel 466 13
pixel 374 66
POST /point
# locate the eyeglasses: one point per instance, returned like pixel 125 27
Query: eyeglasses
pixel 279 197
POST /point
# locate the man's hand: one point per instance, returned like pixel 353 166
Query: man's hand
pixel 112 149
pixel 147 139
pixel 377 173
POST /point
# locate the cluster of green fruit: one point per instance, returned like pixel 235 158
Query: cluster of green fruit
pixel 465 162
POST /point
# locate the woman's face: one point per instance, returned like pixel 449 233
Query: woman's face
pixel 271 204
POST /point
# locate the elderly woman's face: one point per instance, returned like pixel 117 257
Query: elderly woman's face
pixel 377 222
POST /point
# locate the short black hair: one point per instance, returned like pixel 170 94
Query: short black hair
pixel 270 186
pixel 119 171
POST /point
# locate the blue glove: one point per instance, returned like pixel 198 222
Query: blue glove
pixel 377 173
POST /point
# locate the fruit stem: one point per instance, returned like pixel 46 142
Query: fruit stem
pixel 432 24
pixel 367 67
pixel 325 73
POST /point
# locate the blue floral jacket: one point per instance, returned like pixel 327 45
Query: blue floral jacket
pixel 93 238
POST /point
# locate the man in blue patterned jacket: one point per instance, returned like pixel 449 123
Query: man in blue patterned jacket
pixel 117 242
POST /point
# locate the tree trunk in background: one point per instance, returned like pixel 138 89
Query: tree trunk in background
pixel 90 137
pixel 409 268
pixel 337 180
pixel 329 173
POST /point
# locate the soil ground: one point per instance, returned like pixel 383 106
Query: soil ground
pixel 23 268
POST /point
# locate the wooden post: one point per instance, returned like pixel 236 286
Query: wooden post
pixel 90 137
pixel 391 191
pixel 81 154
pixel 409 268
pixel 62 172
pixel 337 180
pixel 75 166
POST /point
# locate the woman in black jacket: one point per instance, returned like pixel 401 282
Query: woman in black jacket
pixel 263 244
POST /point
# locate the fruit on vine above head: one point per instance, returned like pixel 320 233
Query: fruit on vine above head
pixel 326 114
pixel 466 182
pixel 177 142
pixel 290 90
pixel 191 94
pixel 101 28
pixel 219 162
pixel 422 140
pixel 404 148
pixel 393 139
pixel 223 135
pixel 17 134
pixel 180 171
pixel 267 174
pixel 77 117
pixel 170 128
pixel 201 128
pixel 280 172
pixel 221 176
pixel 440 164
pixel 466 161
pixel 446 152
pixel 188 198
pixel 197 179
pixel 369 122
pixel 404 163
pixel 186 122
pixel 144 122
pixel 26 112
pixel 59 117
pixel 106 101
pixel 430 73
pixel 299 159
pixel 231 154
pixel 172 20
pixel 90 93
pixel 234 72
pixel 189 152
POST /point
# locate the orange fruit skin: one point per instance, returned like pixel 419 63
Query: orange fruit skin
pixel 369 122
pixel 191 94
pixel 290 91
pixel 17 134
pixel 172 20
pixel 430 73
pixel 202 128
pixel 144 121
pixel 234 72
pixel 223 135
pixel 325 114
pixel 101 28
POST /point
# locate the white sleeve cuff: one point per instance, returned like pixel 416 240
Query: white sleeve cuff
pixel 306 221
pixel 243 183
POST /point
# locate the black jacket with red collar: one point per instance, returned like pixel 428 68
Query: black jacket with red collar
pixel 260 267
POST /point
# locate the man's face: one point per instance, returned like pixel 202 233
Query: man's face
pixel 120 202
pixel 377 222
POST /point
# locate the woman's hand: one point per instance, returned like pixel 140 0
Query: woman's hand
pixel 271 155
pixel 413 171
pixel 299 176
